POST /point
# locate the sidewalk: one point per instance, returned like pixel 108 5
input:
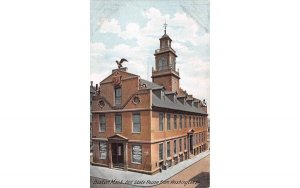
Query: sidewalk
pixel 139 179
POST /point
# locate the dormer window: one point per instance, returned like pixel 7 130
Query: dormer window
pixel 118 96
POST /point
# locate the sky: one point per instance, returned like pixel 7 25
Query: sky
pixel 131 29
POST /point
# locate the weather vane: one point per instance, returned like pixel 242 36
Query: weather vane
pixel 165 26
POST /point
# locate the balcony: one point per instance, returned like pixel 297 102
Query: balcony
pixel 164 71
pixel 161 50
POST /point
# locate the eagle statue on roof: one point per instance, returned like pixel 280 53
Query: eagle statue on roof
pixel 119 63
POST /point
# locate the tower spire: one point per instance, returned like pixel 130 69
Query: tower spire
pixel 165 26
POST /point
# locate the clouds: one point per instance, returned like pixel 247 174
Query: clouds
pixel 97 49
pixel 136 41
pixel 155 22
pixel 110 26
pixel 132 31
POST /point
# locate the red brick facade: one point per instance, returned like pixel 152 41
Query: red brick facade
pixel 130 132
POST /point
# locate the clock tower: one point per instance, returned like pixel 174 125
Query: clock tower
pixel 164 73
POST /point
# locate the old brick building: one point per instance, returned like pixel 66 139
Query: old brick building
pixel 147 126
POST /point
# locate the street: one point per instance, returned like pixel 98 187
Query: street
pixel 197 175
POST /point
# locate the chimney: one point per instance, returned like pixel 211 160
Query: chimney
pixel 91 83
pixel 96 87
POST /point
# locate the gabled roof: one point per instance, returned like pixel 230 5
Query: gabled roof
pixel 117 137
pixel 124 73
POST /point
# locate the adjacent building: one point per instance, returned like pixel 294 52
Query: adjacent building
pixel 146 126
pixel 92 93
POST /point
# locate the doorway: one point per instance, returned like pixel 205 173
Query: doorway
pixel 117 150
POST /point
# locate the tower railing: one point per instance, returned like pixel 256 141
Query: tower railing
pixel 165 70
pixel 164 50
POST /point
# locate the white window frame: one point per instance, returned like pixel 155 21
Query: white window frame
pixel 136 113
pixel 102 115
pixel 159 113
pixel 167 149
pixel 115 127
pixel 162 151
pixel 115 97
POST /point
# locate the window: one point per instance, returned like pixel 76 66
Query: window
pixel 175 121
pixel 168 149
pixel 184 143
pixel 200 122
pixel 161 151
pixel 103 149
pixel 197 121
pixel 175 147
pixel 118 96
pixel 180 145
pixel 136 119
pixel 173 64
pixel 162 64
pixel 190 118
pixel 168 122
pixel 184 121
pixel 161 121
pixel 200 137
pixel 102 127
pixel 118 123
pixel 194 121
pixel 180 121
pixel 91 117
pixel 136 154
